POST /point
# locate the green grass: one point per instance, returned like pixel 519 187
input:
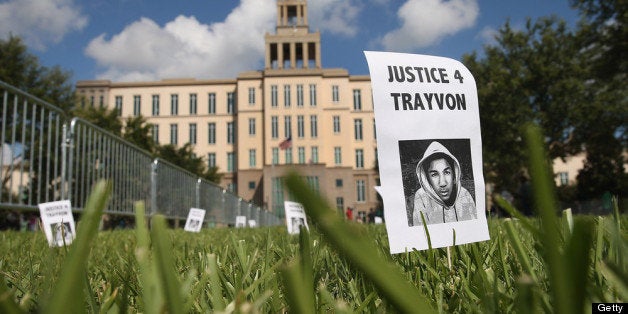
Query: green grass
pixel 553 263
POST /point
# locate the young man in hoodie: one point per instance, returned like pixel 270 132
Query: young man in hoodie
pixel 441 198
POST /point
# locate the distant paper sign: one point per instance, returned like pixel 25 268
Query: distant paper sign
pixel 252 223
pixel 295 217
pixel 429 150
pixel 196 216
pixel 378 220
pixel 58 222
pixel 240 222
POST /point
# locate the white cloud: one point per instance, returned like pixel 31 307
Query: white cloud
pixel 338 17
pixel 40 22
pixel 488 35
pixel 426 22
pixel 186 48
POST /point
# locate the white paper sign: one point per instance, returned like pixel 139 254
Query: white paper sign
pixel 295 217
pixel 240 222
pixel 430 150
pixel 196 216
pixel 252 223
pixel 379 220
pixel 58 222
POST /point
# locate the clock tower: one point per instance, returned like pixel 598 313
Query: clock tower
pixel 292 46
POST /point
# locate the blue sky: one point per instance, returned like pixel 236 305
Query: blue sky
pixel 138 40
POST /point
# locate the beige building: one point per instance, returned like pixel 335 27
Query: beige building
pixel 238 124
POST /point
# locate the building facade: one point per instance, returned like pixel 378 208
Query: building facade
pixel 293 114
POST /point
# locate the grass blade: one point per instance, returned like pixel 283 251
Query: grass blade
pixel 165 265
pixel 69 294
pixel 361 253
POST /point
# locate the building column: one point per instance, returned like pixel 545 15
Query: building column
pixel 293 55
pixel 280 55
pixel 306 56
pixel 318 55
pixel 267 57
pixel 305 15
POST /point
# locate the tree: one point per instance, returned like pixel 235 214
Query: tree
pixel 22 70
pixel 570 82
pixel 185 158
pixel 603 125
pixel 138 132
pixel 101 117
pixel 52 85
pixel 529 76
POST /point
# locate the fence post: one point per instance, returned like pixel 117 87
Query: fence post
pixel 153 188
pixel 198 193
pixel 224 208
pixel 64 154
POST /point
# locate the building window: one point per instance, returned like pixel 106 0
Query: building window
pixel 137 105
pixel 273 95
pixel 336 124
pixel 313 126
pixel 275 155
pixel 315 154
pixel 174 104
pixel 174 134
pixel 357 100
pixel 91 101
pixel 211 103
pixel 193 133
pixel 359 158
pixel 231 187
pixel 374 132
pixel 287 126
pixel 193 104
pixel 119 105
pixel 155 105
pixel 299 95
pixel 211 133
pixel 312 181
pixel 338 155
pixel 300 127
pixel 286 96
pixel 251 185
pixel 101 101
pixel 252 158
pixel 251 126
pixel 564 178
pixel 361 190
pixel 155 131
pixel 230 102
pixel 230 133
pixel 357 128
pixel 274 127
pixel 277 192
pixel 251 95
pixel 335 95
pixel 338 183
pixel 288 155
pixel 230 162
pixel 340 204
pixel 211 160
pixel 312 95
pixel 301 154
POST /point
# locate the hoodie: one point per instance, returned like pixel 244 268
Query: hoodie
pixel 459 207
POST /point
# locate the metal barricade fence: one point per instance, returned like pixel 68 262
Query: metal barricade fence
pixel 46 157
pixel 31 135
pixel 95 154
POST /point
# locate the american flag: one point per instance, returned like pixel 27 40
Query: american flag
pixel 287 143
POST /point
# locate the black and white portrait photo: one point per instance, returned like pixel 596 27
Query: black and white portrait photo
pixel 61 232
pixel 438 181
